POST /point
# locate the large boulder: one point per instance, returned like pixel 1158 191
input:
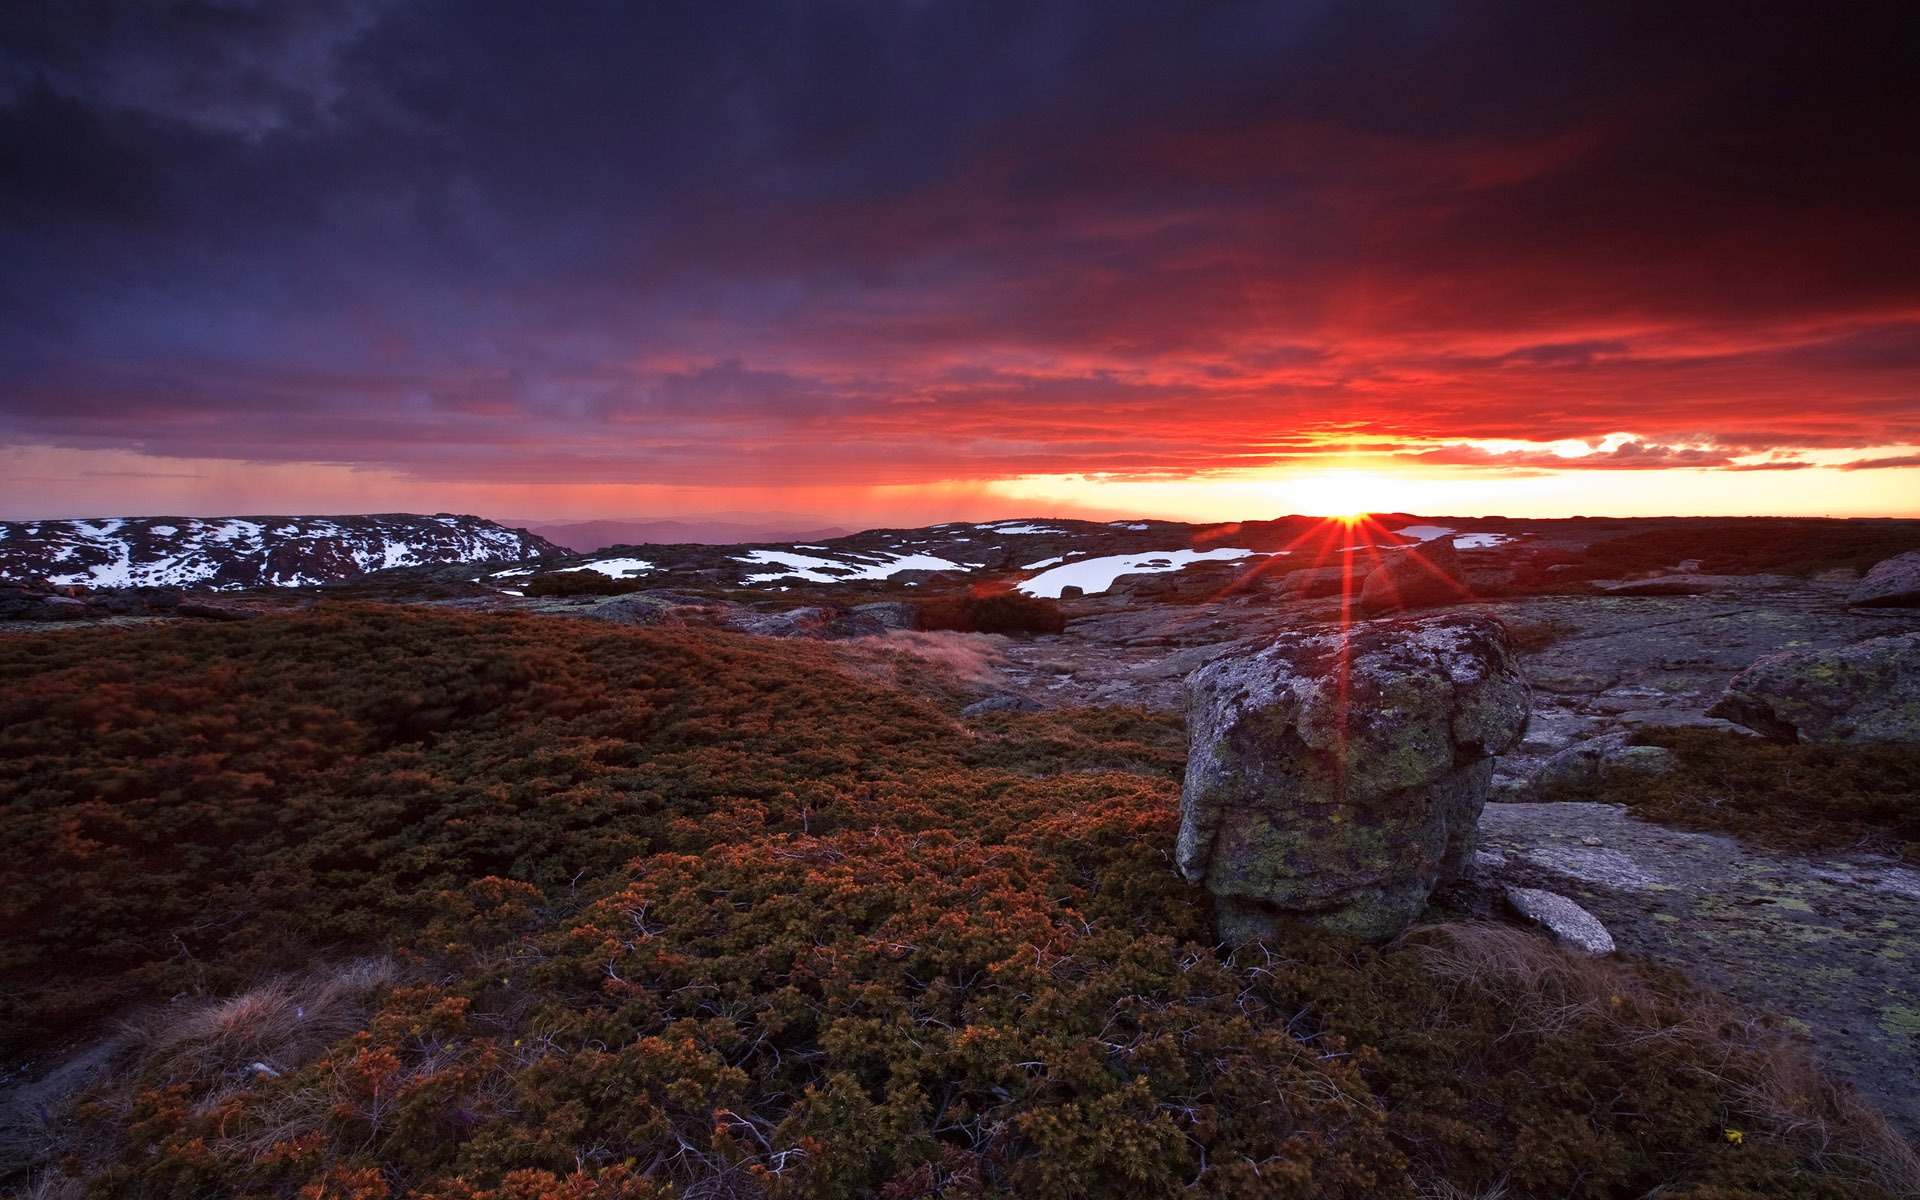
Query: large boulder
pixel 1866 692
pixel 1417 577
pixel 1892 582
pixel 1335 775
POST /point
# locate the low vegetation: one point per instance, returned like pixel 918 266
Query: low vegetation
pixel 1793 796
pixel 461 907
pixel 992 612
pixel 578 583
pixel 1722 546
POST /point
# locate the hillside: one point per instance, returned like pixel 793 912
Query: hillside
pixel 1045 556
pixel 369 901
pixel 249 552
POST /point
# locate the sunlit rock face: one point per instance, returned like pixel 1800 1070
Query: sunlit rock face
pixel 1893 583
pixel 1336 775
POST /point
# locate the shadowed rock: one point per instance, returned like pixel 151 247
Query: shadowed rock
pixel 1596 760
pixel 1892 582
pixel 1417 577
pixel 1866 692
pixel 1335 775
pixel 1313 583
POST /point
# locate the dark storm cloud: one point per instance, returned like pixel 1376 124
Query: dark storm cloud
pixel 895 240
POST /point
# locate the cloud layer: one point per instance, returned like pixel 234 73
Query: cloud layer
pixel 800 244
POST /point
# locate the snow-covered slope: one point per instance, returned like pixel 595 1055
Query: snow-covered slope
pixel 1039 556
pixel 242 552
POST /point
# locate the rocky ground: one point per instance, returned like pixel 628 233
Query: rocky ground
pixel 1831 944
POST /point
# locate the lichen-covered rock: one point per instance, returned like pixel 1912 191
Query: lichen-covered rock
pixel 1566 922
pixel 662 609
pixel 1596 760
pixel 1336 774
pixel 892 614
pixel 1003 702
pixel 1417 577
pixel 1893 582
pixel 1866 692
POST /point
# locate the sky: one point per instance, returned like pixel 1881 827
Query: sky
pixel 917 261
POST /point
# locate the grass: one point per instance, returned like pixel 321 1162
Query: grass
pixel 1795 796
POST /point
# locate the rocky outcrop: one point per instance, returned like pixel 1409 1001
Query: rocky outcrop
pixel 1003 702
pixel 1693 585
pixel 1597 760
pixel 1893 582
pixel 1417 577
pixel 1335 774
pixel 1866 692
pixel 892 614
pixel 677 610
pixel 39 601
pixel 661 609
pixel 1825 940
pixel 1193 584
pixel 810 622
pixel 1314 583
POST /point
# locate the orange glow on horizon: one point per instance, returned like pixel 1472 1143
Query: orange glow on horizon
pixel 41 482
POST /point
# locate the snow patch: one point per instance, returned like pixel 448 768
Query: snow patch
pixel 1423 533
pixel 1095 575
pixel 1045 562
pixel 615 568
pixel 1481 541
pixel 1019 527
pixel 234 531
pixel 828 570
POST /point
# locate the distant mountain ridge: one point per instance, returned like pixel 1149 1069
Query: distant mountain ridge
pixel 585 537
pixel 1086 555
pixel 228 553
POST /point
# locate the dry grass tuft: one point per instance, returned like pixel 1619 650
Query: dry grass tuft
pixel 1781 1091
pixel 282 1023
pixel 1559 989
pixel 50 1185
pixel 1440 1189
pixel 938 662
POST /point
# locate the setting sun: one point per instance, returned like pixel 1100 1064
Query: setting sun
pixel 1343 494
